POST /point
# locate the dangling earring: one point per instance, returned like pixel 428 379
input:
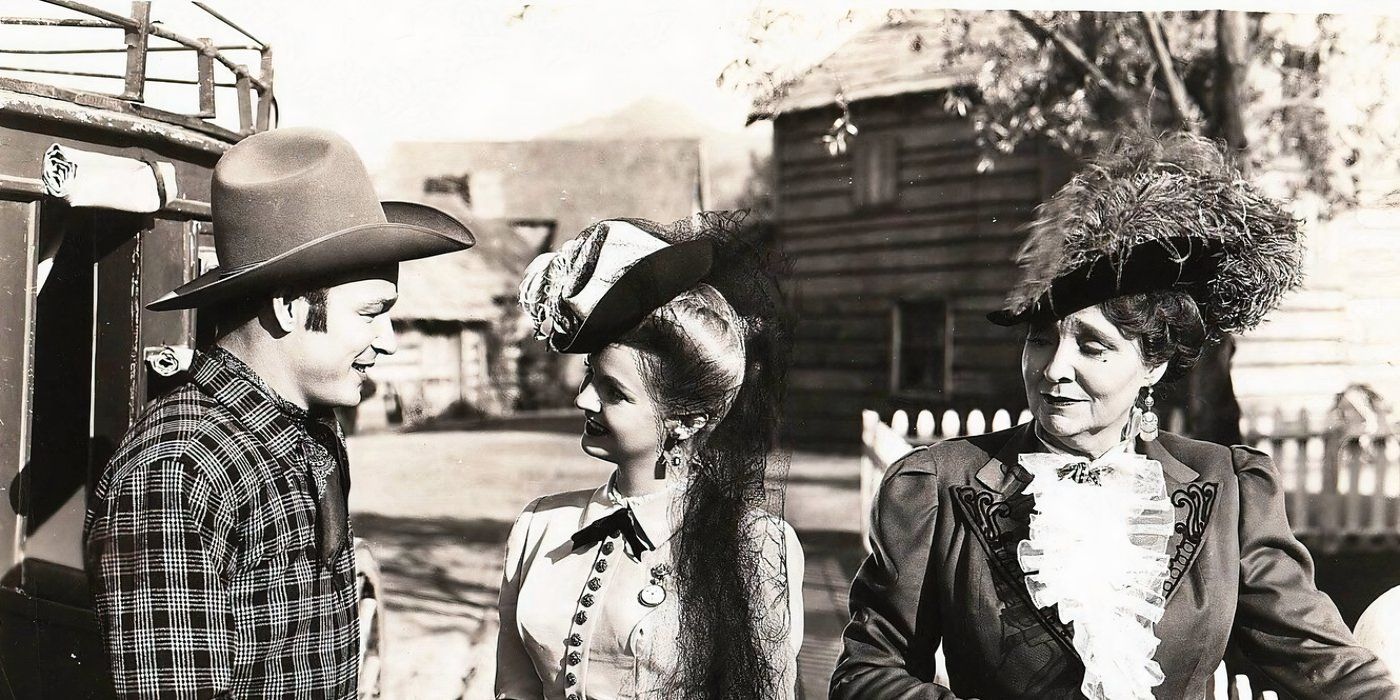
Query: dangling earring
pixel 673 456
pixel 1148 426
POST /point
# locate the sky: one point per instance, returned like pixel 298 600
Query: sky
pixel 475 69
pixel 455 69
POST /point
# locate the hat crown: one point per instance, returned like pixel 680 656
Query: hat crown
pixel 604 282
pixel 621 245
pixel 284 188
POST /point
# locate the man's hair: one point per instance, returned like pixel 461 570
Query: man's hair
pixel 233 314
pixel 316 315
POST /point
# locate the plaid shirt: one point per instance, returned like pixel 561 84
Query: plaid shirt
pixel 202 547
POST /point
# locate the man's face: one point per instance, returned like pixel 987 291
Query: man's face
pixel 329 366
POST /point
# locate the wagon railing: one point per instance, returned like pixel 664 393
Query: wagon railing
pixel 256 102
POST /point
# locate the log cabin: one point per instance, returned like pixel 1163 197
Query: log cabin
pixel 899 243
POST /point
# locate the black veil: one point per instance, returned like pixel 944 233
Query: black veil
pixel 730 549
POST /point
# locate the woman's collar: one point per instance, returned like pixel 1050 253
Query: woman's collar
pixel 670 488
pixel 652 510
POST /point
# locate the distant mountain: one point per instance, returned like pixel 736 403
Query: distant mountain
pixel 649 117
pixel 728 155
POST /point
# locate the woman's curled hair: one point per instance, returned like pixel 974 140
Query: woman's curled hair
pixel 1167 326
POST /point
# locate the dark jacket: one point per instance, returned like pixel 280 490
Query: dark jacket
pixel 944 569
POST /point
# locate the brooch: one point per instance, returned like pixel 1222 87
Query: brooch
pixel 1083 473
pixel 654 594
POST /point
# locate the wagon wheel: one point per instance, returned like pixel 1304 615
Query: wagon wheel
pixel 370 599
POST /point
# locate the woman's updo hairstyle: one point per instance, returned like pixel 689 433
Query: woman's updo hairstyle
pixel 691 354
pixel 1167 326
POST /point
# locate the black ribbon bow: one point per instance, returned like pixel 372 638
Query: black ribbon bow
pixel 623 522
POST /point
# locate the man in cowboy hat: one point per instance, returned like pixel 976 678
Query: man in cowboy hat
pixel 217 539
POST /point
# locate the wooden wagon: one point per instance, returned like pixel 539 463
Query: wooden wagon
pixel 104 206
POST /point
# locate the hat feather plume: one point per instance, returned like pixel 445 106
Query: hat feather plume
pixel 1175 197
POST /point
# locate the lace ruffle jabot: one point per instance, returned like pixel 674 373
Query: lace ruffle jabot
pixel 1097 550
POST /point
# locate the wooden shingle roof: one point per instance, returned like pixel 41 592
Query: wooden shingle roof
pixel 571 183
pixel 883 61
pixel 465 286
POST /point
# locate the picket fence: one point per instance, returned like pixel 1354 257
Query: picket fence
pixel 1342 489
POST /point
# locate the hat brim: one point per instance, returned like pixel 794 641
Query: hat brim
pixel 1152 266
pixel 413 231
pixel 648 285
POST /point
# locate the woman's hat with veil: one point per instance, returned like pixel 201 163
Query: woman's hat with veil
pixel 1158 213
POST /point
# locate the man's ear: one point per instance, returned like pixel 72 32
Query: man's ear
pixel 287 313
pixel 685 427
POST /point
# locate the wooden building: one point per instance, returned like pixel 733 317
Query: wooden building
pixel 456 326
pixel 549 190
pixel 899 245
pixel 463 340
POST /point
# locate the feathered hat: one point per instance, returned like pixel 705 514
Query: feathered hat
pixel 603 283
pixel 1166 213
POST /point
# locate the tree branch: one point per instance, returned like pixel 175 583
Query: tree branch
pixel 1076 56
pixel 1181 107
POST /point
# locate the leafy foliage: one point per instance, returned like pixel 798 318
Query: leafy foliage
pixel 1320 102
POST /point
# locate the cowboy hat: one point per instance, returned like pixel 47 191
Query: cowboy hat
pixel 297 204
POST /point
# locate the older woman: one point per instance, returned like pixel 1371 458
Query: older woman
pixel 1087 553
pixel 670 579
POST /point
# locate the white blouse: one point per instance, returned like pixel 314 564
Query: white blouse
pixel 1097 551
pixel 599 623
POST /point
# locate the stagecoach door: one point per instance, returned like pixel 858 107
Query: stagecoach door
pixel 91 271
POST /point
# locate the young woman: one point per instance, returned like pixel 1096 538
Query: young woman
pixel 671 579
pixel 1087 553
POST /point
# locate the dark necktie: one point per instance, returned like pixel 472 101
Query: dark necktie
pixel 333 519
pixel 620 522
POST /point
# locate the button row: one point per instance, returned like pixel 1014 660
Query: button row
pixel 574 659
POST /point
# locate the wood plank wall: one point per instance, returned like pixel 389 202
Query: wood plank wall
pixel 949 234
